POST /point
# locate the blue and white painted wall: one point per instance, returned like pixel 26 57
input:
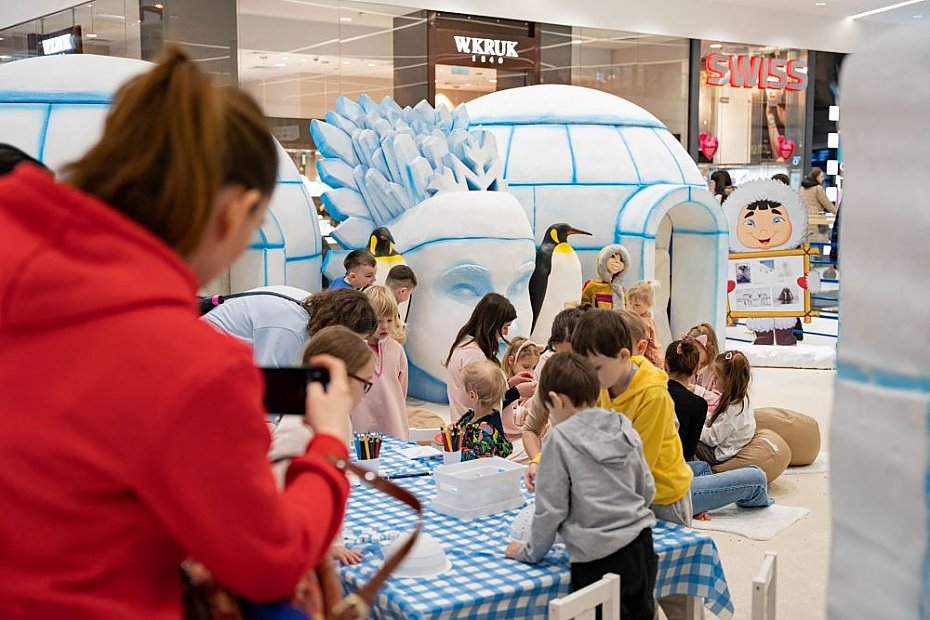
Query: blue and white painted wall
pixel 54 109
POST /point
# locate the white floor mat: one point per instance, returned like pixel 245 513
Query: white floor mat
pixel 799 356
pixel 754 523
pixel 821 465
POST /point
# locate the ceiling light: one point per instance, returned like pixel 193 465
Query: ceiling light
pixel 159 6
pixel 89 35
pixel 917 16
pixel 468 85
pixel 890 7
pixel 716 46
pixel 345 19
pixel 493 81
pixel 345 62
pixel 371 64
pixel 820 4
pixel 280 64
pixel 1 39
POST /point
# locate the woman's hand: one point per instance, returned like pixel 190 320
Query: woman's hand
pixel 530 477
pixel 328 410
pixel 344 556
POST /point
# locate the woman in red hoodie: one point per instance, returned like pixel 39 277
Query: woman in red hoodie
pixel 133 434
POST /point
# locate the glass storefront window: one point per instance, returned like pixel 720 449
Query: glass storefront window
pixel 752 109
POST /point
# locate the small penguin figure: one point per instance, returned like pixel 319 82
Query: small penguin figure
pixel 556 280
pixel 381 245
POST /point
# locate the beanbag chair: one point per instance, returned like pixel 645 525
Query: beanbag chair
pixel 801 432
pixel 767 451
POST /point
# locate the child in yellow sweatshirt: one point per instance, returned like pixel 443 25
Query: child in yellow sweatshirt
pixel 631 385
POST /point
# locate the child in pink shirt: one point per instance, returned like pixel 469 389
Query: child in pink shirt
pixel 705 382
pixel 384 408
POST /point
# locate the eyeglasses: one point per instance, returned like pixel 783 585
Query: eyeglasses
pixel 366 384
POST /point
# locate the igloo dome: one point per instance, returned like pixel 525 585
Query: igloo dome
pixel 54 108
pixel 606 165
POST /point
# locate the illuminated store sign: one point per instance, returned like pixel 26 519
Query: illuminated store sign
pixel 745 71
pixel 489 50
pixel 66 41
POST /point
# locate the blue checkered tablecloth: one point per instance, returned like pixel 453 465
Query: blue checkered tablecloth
pixel 392 463
pixel 483 584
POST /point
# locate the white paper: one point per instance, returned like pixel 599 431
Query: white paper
pixel 419 452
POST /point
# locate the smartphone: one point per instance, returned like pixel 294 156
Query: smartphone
pixel 286 388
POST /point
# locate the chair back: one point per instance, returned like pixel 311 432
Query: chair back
pixel 763 589
pixel 582 605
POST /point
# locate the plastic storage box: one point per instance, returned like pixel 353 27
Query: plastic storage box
pixel 478 488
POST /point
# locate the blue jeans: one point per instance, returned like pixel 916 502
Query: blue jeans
pixel 746 486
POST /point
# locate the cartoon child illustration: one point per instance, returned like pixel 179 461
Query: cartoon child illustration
pixel 764 224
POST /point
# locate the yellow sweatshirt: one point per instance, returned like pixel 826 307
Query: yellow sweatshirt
pixel 646 402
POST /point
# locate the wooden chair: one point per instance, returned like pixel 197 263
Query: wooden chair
pixel 763 589
pixel 582 605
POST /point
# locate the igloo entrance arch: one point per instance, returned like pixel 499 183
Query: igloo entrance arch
pixel 678 236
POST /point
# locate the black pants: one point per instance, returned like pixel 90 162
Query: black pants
pixel 636 564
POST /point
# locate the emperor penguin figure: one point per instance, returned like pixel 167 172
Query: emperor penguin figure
pixel 381 245
pixel 556 280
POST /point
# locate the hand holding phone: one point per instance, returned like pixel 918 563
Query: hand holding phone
pixel 328 409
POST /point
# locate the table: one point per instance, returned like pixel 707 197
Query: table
pixel 483 584
pixel 393 464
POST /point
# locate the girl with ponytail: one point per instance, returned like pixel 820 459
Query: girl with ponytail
pixel 134 433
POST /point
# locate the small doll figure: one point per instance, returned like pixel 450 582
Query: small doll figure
pixel 607 291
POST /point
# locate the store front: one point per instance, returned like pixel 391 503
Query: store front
pixel 752 111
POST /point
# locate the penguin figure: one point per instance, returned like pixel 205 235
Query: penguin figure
pixel 381 245
pixel 556 280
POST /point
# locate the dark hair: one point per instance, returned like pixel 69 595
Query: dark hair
pixel 601 332
pixel 781 177
pixel 722 180
pixel 401 275
pixel 571 375
pixel 359 258
pixel 563 325
pixel 10 157
pixel 682 357
pixel 815 173
pixel 172 140
pixel 736 376
pixel 341 306
pixel 485 324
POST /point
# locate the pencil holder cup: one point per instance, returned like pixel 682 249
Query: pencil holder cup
pixel 451 457
pixel 371 465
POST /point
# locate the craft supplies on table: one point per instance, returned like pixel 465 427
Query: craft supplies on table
pixel 478 488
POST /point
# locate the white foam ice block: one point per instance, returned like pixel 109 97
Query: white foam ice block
pixel 754 523
pixel 799 356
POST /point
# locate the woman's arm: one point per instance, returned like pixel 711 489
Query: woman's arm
pixel 824 201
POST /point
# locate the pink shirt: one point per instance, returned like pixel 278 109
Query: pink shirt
pixel 462 356
pixel 384 408
pixel 705 386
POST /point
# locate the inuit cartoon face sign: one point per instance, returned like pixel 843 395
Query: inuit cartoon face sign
pixel 765 215
pixel 764 224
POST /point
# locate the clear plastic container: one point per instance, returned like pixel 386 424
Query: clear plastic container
pixel 478 488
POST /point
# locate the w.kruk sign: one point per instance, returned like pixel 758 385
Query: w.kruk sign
pixel 745 71
pixel 490 50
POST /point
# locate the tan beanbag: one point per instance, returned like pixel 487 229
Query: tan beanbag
pixel 801 432
pixel 766 450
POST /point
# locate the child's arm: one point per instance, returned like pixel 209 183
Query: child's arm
pixel 723 427
pixel 552 504
pixel 658 411
pixel 403 372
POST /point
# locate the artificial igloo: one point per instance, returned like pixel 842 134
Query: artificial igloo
pixel 605 165
pixel 54 108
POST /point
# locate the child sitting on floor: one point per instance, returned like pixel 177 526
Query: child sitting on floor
pixel 733 423
pixel 640 298
pixel 594 489
pixel 384 409
pixel 481 427
pixel 704 381
pixel 681 360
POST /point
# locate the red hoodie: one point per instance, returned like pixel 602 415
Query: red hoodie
pixel 132 434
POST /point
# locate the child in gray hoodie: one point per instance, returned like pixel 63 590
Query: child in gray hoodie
pixel 594 488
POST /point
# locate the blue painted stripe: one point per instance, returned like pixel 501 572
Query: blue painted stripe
pixel 569 120
pixel 571 154
pixel 43 133
pixel 672 155
pixel 262 246
pixel 630 153
pixel 846 371
pixel 77 98
pixel 289 182
pixel 298 259
pixel 507 154
pixel 708 233
pixel 568 183
pixel 265 264
pixel 447 239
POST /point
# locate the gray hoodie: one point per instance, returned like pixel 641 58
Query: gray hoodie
pixel 593 487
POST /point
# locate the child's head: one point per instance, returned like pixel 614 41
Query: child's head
pixel 489 322
pixel 521 356
pixel 485 384
pixel 563 325
pixel 638 331
pixel 640 298
pixel 682 358
pixel 709 350
pixel 343 343
pixel 385 307
pixel 733 377
pixel 341 306
pixel 568 386
pixel 401 280
pixel 361 268
pixel 604 339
